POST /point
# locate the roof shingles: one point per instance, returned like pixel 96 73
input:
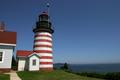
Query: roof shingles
pixel 8 37
pixel 23 53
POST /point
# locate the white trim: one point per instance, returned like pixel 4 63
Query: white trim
pixel 7 44
pixel 33 54
pixel 3 55
pixel 46 60
pixel 46 66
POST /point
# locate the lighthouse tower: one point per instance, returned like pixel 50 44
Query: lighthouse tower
pixel 43 42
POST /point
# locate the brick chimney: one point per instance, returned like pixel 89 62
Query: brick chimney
pixel 2 27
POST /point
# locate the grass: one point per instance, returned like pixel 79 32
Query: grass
pixel 4 77
pixel 55 75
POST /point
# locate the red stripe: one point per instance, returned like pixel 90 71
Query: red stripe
pixel 46 62
pixel 43 36
pixel 42 51
pixel 42 40
pixel 46 57
pixel 42 46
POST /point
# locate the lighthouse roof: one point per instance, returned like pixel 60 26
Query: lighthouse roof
pixel 7 37
pixel 44 13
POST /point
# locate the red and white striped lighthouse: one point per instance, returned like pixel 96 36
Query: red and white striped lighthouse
pixel 43 42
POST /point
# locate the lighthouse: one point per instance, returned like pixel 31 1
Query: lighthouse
pixel 43 42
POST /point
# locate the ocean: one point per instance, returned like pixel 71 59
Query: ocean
pixel 99 68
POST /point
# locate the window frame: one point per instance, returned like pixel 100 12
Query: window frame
pixel 34 63
pixel 3 52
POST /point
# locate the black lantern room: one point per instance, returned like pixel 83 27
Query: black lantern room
pixel 43 24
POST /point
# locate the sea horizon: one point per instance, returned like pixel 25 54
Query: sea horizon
pixel 99 68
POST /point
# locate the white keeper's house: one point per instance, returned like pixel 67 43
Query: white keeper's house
pixel 7 45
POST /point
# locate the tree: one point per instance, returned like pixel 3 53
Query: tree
pixel 65 66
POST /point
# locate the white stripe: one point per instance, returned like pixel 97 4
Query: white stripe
pixel 45 54
pixel 46 66
pixel 47 38
pixel 43 43
pixel 43 33
pixel 42 48
pixel 8 44
pixel 46 60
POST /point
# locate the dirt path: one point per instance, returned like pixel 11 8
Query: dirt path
pixel 13 75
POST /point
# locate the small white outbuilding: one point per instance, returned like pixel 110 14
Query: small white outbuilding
pixel 27 60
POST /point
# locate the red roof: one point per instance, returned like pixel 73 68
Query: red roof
pixel 23 53
pixel 8 37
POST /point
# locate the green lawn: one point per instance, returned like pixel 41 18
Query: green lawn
pixel 55 75
pixel 4 77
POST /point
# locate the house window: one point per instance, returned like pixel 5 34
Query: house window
pixel 1 56
pixel 34 62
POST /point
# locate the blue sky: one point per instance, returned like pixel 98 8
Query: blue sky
pixel 86 31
